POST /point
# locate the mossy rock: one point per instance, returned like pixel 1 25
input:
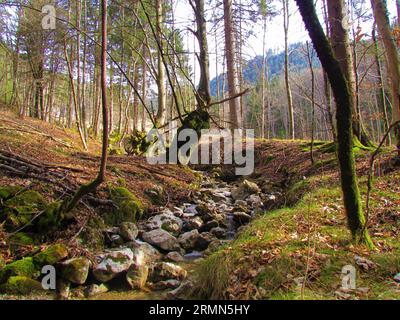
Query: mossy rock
pixel 24 267
pixel 156 195
pixel 51 219
pixel 21 285
pixel 51 255
pixel 7 192
pixel 22 239
pixel 129 207
pixel 22 208
pixel 75 270
pixel 93 237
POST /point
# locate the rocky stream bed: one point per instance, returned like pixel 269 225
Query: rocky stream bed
pixel 154 258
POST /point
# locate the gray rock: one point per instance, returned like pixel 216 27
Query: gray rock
pixel 181 292
pixel 218 197
pixel 75 270
pixel 245 189
pixel 150 253
pixel 397 278
pixel 115 262
pixel 188 240
pixel 116 240
pixel 193 256
pixel 137 276
pixel 193 223
pixel 204 240
pixel 166 285
pixel 174 257
pixel 241 218
pixel 191 209
pixel 208 226
pixel 161 239
pixel 128 231
pixel 255 201
pixel 96 289
pixel 165 271
pixel 220 233
pixel 166 221
pixel 63 289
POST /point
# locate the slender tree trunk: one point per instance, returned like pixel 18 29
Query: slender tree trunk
pixel 91 187
pixel 203 92
pixel 343 97
pixel 162 95
pixel 286 21
pixel 234 104
pixel 381 95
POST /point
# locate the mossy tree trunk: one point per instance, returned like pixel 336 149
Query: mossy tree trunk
pixel 344 101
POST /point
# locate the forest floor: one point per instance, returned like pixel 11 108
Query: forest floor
pixel 303 234
pixel 299 250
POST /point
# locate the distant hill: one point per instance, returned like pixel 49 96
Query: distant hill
pixel 276 63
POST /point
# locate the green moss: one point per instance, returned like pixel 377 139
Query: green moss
pixel 92 236
pixel 21 209
pixel 22 238
pixel 21 285
pixel 297 191
pixel 24 267
pixel 50 219
pixel 285 230
pixel 7 192
pixel 129 207
pixel 51 255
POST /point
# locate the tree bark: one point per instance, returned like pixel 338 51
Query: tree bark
pixel 344 101
pixel 234 104
pixel 339 33
pixel 287 80
pixel 392 56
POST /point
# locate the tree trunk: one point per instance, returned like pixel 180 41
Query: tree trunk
pixel 344 101
pixel 338 21
pixel 382 21
pixel 203 92
pixel 91 187
pixel 381 95
pixel 234 104
pixel 162 95
pixel 287 80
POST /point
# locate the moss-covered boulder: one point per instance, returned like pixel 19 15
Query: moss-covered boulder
pixel 93 236
pixel 156 195
pixel 21 285
pixel 75 270
pixel 129 207
pixel 51 218
pixel 20 210
pixel 24 267
pixel 21 239
pixel 51 255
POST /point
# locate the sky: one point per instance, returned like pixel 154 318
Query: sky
pixel 275 33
